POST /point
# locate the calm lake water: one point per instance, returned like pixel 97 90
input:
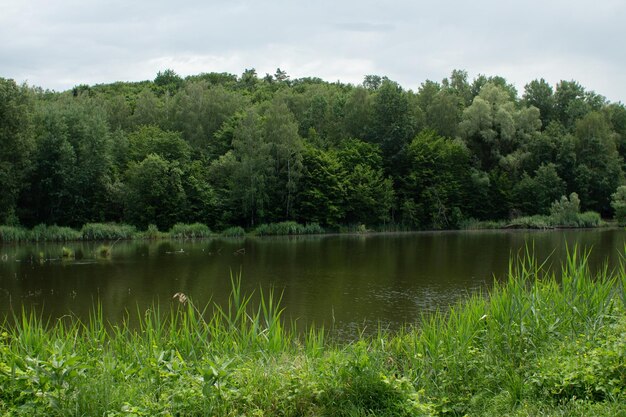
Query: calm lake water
pixel 350 282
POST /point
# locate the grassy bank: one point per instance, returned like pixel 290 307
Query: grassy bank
pixel 112 231
pixel 533 346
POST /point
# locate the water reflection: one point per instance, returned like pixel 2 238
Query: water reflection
pixel 348 282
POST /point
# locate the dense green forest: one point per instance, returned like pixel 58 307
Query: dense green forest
pixel 227 150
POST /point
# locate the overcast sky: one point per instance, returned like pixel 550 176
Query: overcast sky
pixel 57 44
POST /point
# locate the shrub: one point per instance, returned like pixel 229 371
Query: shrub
pixel 532 222
pixel 152 232
pixel 618 202
pixel 236 231
pixel 13 234
pixel 564 212
pixel 589 219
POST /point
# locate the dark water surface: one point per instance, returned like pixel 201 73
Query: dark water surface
pixel 351 281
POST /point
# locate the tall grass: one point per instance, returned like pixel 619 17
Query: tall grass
pixel 573 220
pixel 288 228
pixel 535 344
pixel 235 231
pixel 107 231
pixel 13 234
pixel 44 233
pixel 190 231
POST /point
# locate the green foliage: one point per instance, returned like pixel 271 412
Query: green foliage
pixel 14 234
pixel 534 195
pixel 16 144
pixel 534 345
pixel 235 231
pixel 321 188
pixel 54 233
pixel 107 231
pixel 436 185
pixel 155 192
pixel 565 211
pixel 224 151
pixel 368 194
pixel 287 228
pixel 190 231
pixel 618 202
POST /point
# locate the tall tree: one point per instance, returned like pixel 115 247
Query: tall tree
pixel 16 145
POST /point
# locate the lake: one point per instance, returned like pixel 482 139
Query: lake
pixel 347 282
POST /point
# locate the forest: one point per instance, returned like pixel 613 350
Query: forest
pixel 227 150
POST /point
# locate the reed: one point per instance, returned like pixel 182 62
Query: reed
pixel 190 231
pixel 107 231
pixel 235 231
pixel 13 234
pixel 534 344
pixel 287 228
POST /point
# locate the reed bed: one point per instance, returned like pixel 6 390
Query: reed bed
pixel 287 228
pixel 190 231
pixel 108 231
pixel 533 345
pixel 235 231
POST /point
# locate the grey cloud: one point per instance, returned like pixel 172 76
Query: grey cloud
pixel 58 44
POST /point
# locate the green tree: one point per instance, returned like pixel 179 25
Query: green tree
pixel 493 127
pixel 199 111
pixel 539 93
pixel 534 195
pixel 436 186
pixel 153 140
pixel 155 193
pixel 597 173
pixel 321 190
pixel 251 166
pixel 16 145
pixel 394 123
pixel 618 203
pixel 51 194
pixel 368 194
pixel 280 133
pixel 148 110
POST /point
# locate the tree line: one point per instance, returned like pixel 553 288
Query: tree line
pixel 227 150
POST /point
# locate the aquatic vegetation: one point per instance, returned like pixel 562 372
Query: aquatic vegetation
pixel 67 253
pixel 107 231
pixel 103 251
pixel 236 231
pixel 287 228
pixel 190 231
pixel 533 345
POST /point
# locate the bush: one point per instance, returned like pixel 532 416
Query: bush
pixel 564 212
pixel 189 231
pixel 589 219
pixel 152 232
pixel 236 231
pixel 532 222
pixel 13 234
pixel 618 202
pixel 107 231
pixel 54 233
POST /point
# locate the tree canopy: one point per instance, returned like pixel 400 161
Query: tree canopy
pixel 229 150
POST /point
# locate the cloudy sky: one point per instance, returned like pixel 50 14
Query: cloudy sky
pixel 61 43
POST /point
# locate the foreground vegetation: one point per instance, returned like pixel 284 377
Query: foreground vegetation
pixel 535 345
